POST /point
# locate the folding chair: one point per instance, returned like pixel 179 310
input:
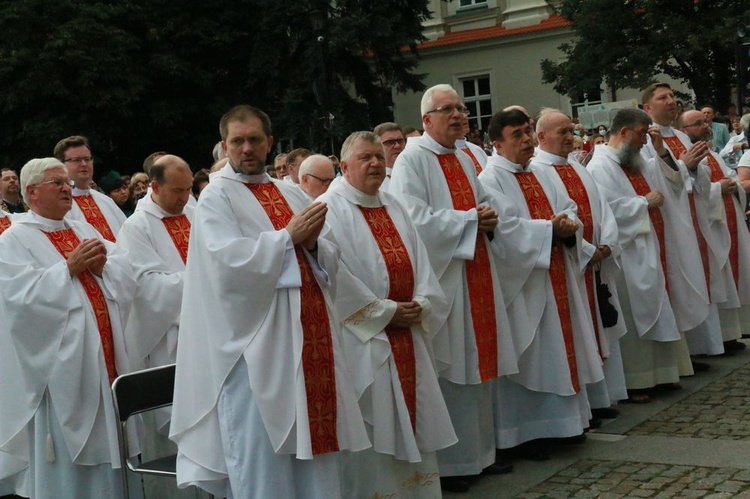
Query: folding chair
pixel 133 394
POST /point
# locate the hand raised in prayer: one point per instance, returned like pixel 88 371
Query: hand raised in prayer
pixel 695 155
pixel 563 227
pixel 728 186
pixel 91 255
pixel 305 226
pixel 655 199
pixel 487 218
pixel 407 314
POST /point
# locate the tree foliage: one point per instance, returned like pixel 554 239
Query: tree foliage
pixel 627 43
pixel 137 76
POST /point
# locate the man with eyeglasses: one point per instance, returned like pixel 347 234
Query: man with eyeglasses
pixel 694 297
pixel 726 204
pixel 438 185
pixel 393 140
pixel 316 173
pixel 65 297
pixel 89 205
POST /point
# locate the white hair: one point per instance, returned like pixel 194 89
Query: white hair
pixel 307 166
pixel 32 172
pixel 428 103
pixel 745 121
pixel 218 152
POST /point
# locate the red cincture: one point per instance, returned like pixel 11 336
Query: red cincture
pixel 178 228
pixel 641 188
pixel 317 344
pixel 540 209
pixel 4 223
pixel 94 216
pixel 577 192
pixel 65 241
pixel 734 250
pixel 401 280
pixel 477 165
pixel 478 271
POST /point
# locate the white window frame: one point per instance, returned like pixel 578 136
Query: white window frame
pixel 476 98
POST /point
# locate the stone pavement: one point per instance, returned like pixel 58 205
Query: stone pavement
pixel 693 442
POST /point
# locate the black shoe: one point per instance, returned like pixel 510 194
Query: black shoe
pixel 594 424
pixel 734 346
pixel 745 336
pixel 700 366
pixel 577 440
pixel 531 451
pixel 454 484
pixel 605 413
pixel 499 468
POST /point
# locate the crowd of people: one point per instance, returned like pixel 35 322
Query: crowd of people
pixel 395 321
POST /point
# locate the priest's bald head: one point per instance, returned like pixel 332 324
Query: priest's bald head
pixel 315 174
pixel 171 184
pixel 46 188
pixel 555 132
pixel 443 115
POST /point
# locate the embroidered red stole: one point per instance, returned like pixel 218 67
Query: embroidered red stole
pixel 678 149
pixel 578 193
pixel 4 223
pixel 94 216
pixel 317 344
pixel 477 165
pixel 641 188
pixel 734 250
pixel 65 241
pixel 178 228
pixel 478 271
pixel 540 209
pixel 401 279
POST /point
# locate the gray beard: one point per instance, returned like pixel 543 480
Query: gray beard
pixel 630 158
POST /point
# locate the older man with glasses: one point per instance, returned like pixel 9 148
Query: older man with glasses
pixel 89 205
pixel 316 173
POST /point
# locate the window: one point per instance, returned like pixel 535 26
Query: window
pixel 471 3
pixel 478 98
pixel 590 98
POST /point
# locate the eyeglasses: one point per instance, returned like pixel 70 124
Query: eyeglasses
pixel 85 159
pixel 642 133
pixel 324 181
pixel 393 142
pixel 58 182
pixel 449 109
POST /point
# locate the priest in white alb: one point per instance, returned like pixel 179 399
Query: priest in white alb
pixel 263 399
pixel 89 205
pixel 636 190
pixel 393 309
pixel 438 186
pixel 554 131
pixel 65 294
pixel 537 252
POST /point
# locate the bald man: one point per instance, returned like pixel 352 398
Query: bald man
pixel 315 174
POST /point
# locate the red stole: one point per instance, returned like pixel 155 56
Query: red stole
pixel 317 345
pixel 734 250
pixel 678 149
pixel 578 193
pixel 178 228
pixel 94 216
pixel 641 188
pixel 478 271
pixel 540 209
pixel 401 279
pixel 477 165
pixel 65 241
pixel 4 223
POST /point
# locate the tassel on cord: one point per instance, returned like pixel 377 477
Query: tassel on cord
pixel 50 443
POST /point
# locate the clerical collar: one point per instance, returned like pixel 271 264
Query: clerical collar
pixel 229 173
pixel 343 188
pixel 506 164
pixel 549 158
pixel 429 143
pixel 81 192
pixel 46 223
pixel 461 143
pixel 665 130
pixel 148 205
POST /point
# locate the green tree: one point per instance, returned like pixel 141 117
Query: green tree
pixel 627 43
pixel 137 76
